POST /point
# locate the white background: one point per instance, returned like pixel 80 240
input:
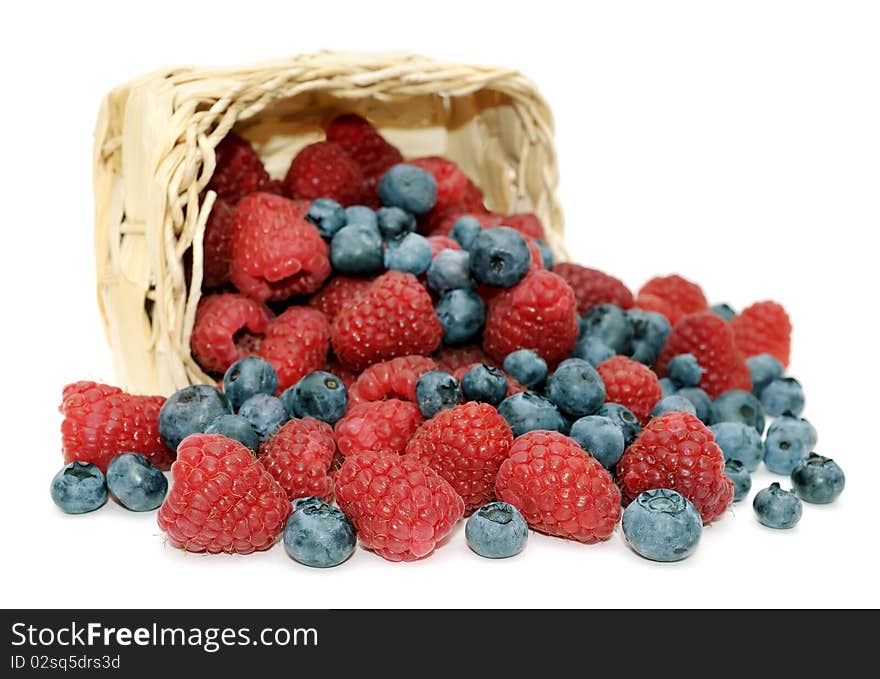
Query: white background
pixel 735 143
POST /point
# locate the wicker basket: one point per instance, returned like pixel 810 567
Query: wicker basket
pixel 154 155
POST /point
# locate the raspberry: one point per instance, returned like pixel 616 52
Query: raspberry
pixel 710 339
pixel 299 456
pixel 763 328
pixel 239 170
pixel 678 452
pixel 526 223
pixel 221 499
pixel 400 507
pixel 513 387
pixel 537 259
pixel 101 421
pixel 465 445
pixel 453 185
pixel 631 384
pixel 592 287
pixel 276 253
pixel 451 359
pixel 538 313
pixel 560 489
pixel 347 376
pixel 227 328
pixel 390 379
pixel 217 244
pixel 367 148
pixel 323 170
pixel 440 243
pixel 393 317
pixel 296 344
pixel 336 293
pixel 649 302
pixel 684 296
pixel 378 425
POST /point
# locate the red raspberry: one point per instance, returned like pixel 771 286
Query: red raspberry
pixel 299 455
pixel 377 425
pixel 513 387
pixel 276 253
pixel 560 489
pixel 239 170
pixel 337 292
pixel 367 148
pixel 390 379
pixel 537 259
pixel 465 445
pixel 393 317
pixel 763 328
pixel 684 296
pixel 227 328
pixel 592 287
pixel 538 313
pixel 677 451
pixel 347 376
pixel 648 302
pixel 217 244
pixel 453 185
pixel 451 359
pixel 400 507
pixel 101 421
pixel 526 223
pixel 631 384
pixel 441 243
pixel 221 499
pixel 710 339
pixel 323 170
pixel 296 344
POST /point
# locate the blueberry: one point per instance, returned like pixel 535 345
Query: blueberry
pixel 818 479
pixel 79 488
pixel 408 187
pixel 777 508
pixel 684 370
pixel 797 424
pixel 497 531
pixel 135 483
pixel 701 401
pixel 783 396
pixel 576 388
pixel 465 231
pixel 301 502
pixel 237 428
pixel 500 257
pixel 600 437
pixel 788 442
pixel 462 314
pixel 610 324
pixel 662 525
pixel 410 253
pixel 248 377
pixel 450 270
pixel 357 249
pixel 393 222
pixel 319 535
pixel 724 310
pixel 739 441
pixel 546 253
pixel 742 480
pixel 319 394
pixel 265 413
pixel 763 368
pixel 737 405
pixel 361 214
pixel 673 404
pixel 526 367
pixel 435 391
pixel 327 215
pixel 190 411
pixel 485 384
pixel 624 418
pixel 527 411
pixel 668 386
pixel 592 349
pixel 649 333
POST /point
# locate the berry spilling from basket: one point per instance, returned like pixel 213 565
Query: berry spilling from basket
pixel 381 340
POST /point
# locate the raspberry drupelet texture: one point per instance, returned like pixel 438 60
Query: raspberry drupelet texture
pixel 455 191
pixel 228 327
pixel 678 452
pixel 593 287
pixel 217 244
pixel 631 384
pixel 238 171
pixel 465 445
pixel 337 292
pixel 440 243
pixel 451 359
pixel 296 344
pixel 401 508
pixel 649 302
pixel 560 489
pixel 101 421
pixel 324 170
pixel 276 253
pixel 538 313
pixel 684 296
pixel 377 425
pixel 299 456
pixel 221 499
pixel 763 328
pixel 390 379
pixel 393 317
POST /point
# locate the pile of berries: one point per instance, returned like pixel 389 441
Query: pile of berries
pixel 384 342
